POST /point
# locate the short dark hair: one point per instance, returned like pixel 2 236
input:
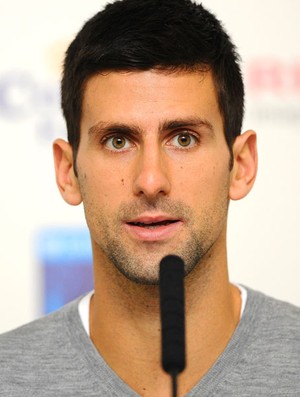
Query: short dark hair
pixel 173 35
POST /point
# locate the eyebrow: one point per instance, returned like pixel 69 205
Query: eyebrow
pixel 167 125
pixel 106 127
pixel 186 122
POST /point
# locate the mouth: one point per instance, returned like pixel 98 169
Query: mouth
pixel 149 228
pixel 152 225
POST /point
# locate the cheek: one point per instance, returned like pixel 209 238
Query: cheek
pixel 206 174
pixel 206 190
pixel 102 191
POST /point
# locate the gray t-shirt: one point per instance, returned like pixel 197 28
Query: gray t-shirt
pixel 54 357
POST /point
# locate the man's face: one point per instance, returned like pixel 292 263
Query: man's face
pixel 153 170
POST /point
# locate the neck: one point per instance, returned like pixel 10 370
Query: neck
pixel 125 326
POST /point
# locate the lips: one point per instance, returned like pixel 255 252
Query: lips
pixel 152 225
pixel 152 228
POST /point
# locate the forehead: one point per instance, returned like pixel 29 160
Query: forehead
pixel 146 97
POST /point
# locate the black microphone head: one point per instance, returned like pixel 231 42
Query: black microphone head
pixel 172 313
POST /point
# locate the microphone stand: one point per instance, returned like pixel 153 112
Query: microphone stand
pixel 174 384
pixel 172 317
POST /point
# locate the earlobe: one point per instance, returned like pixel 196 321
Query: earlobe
pixel 65 176
pixel 244 169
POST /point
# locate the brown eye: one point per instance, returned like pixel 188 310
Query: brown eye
pixel 184 140
pixel 118 142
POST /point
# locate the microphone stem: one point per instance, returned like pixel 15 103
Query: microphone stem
pixel 174 384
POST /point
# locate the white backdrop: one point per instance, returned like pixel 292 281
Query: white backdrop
pixel 263 228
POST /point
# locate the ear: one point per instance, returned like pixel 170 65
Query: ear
pixel 65 176
pixel 244 168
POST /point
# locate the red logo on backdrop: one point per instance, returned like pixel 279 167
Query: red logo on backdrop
pixel 273 76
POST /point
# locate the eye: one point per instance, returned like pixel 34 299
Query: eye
pixel 183 140
pixel 117 143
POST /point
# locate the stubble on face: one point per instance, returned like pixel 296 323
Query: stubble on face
pixel 139 261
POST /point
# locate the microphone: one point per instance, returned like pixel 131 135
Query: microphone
pixel 171 284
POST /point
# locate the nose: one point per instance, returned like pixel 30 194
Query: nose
pixel 151 173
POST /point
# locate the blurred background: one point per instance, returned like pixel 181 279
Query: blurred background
pixel 45 257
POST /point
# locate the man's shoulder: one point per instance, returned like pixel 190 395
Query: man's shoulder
pixel 273 310
pixel 42 325
pixel 263 356
pixel 274 320
pixel 41 337
pixel 274 333
pixel 47 357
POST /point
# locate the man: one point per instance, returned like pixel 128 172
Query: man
pixel 153 99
